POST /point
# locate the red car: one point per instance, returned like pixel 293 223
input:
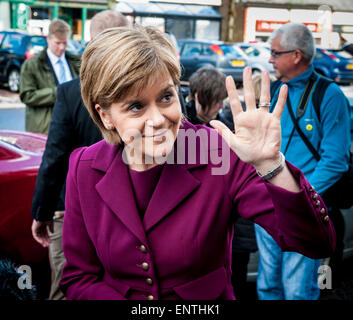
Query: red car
pixel 20 158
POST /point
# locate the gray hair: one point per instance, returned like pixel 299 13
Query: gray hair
pixel 296 36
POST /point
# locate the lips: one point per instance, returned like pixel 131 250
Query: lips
pixel 158 133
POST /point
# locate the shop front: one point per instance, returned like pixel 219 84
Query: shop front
pixel 184 21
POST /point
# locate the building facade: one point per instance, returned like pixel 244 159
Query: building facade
pixel 255 20
pixel 185 19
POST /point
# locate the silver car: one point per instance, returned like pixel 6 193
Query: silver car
pixel 257 56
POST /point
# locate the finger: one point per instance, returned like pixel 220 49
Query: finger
pixel 223 131
pixel 234 101
pixel 249 93
pixel 265 96
pixel 281 102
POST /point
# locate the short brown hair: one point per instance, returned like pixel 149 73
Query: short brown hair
pixel 209 84
pixel 59 28
pixel 120 61
pixel 106 19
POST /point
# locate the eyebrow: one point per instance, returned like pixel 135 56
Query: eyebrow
pixel 130 102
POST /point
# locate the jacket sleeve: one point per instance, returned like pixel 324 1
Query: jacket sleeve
pixel 296 221
pixel 335 142
pixel 82 273
pixel 30 94
pixel 54 166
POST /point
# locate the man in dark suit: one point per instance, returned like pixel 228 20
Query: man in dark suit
pixel 70 127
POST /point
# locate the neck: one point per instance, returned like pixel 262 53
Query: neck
pixel 298 70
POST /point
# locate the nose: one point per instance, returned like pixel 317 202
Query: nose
pixel 156 117
pixel 62 46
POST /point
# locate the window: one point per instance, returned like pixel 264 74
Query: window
pixel 229 50
pixel 251 51
pixel 181 28
pixel 38 41
pixel 12 41
pixel 207 30
pixel 191 49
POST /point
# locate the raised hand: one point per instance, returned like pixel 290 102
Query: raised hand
pixel 257 137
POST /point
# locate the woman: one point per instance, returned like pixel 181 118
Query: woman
pixel 140 225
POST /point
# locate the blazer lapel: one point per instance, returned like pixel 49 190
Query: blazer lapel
pixel 116 191
pixel 174 185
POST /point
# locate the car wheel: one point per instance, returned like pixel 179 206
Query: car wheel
pixel 13 80
pixel 256 72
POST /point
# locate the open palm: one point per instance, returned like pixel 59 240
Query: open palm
pixel 257 136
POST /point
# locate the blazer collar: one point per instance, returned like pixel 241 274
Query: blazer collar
pixel 176 183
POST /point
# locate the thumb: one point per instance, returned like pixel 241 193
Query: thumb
pixel 223 131
pixel 219 126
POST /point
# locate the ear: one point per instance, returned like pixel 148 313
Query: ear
pixel 298 56
pixel 197 103
pixel 105 117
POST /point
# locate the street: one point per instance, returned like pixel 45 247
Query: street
pixel 12 111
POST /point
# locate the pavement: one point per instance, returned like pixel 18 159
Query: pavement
pixel 10 100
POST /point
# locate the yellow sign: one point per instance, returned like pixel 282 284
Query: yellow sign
pixel 238 63
pixel 349 66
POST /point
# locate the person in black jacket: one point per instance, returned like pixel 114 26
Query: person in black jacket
pixel 206 102
pixel 70 127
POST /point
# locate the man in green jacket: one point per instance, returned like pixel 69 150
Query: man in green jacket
pixel 40 76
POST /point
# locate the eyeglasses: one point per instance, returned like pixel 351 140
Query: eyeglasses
pixel 276 54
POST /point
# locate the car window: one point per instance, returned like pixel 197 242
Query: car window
pixel 251 51
pixel 12 41
pixel 229 50
pixel 211 50
pixel 38 41
pixel 2 35
pixel 318 55
pixel 191 49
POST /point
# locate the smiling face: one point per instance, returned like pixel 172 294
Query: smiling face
pixel 147 121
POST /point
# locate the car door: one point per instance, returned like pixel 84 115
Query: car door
pixel 2 56
pixel 10 52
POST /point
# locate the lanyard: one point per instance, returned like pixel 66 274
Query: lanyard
pixel 303 103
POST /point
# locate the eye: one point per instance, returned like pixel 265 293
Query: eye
pixel 167 97
pixel 135 107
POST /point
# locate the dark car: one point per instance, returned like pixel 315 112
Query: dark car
pixel 195 54
pixel 20 158
pixel 334 64
pixel 15 48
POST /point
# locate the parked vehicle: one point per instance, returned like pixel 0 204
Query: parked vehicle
pixel 20 158
pixel 257 56
pixel 75 47
pixel 195 54
pixel 334 64
pixel 15 48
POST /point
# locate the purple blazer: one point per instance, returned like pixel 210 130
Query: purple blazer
pixel 182 247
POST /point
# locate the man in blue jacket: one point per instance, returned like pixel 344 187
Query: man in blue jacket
pixel 289 275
